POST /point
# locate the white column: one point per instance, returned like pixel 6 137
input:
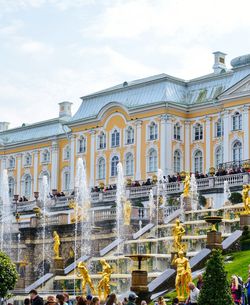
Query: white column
pixel 54 166
pixel 35 155
pixel 72 162
pixel 226 148
pixel 187 146
pixel 168 151
pixel 3 163
pixel 208 144
pixel 18 178
pixel 246 133
pixel 92 159
pixel 138 150
pixel 163 143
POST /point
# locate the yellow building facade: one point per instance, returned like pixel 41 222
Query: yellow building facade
pixel 156 122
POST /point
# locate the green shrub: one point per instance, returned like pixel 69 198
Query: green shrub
pixel 202 200
pixel 235 198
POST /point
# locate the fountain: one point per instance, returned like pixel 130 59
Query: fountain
pixel 226 193
pixel 151 206
pixel 193 193
pixel 6 225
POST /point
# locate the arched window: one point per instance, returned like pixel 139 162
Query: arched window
pixel 101 168
pixel 45 156
pixel 66 180
pixel 115 138
pixel 42 174
pixel 219 128
pixel 129 164
pixel 12 162
pixel 237 121
pixel 237 151
pixel 152 160
pixel 177 161
pixel 27 159
pixel 114 163
pixel 66 153
pixel 198 132
pixel 101 141
pixel 198 161
pixel 11 182
pixel 153 131
pixel 130 135
pixel 27 185
pixel 81 144
pixel 218 156
pixel 177 131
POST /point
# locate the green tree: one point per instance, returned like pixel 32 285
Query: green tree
pixel 216 288
pixel 8 275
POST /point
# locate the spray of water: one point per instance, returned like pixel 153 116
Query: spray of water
pixel 194 192
pixel 151 206
pixel 44 198
pixel 227 192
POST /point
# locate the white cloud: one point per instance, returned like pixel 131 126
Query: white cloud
pixel 36 47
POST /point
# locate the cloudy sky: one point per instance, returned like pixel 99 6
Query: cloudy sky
pixel 56 50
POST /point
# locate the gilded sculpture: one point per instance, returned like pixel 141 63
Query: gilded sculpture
pixel 178 231
pixel 86 279
pixel 104 284
pixel 183 275
pixel 186 185
pixel 246 198
pixel 78 214
pixel 127 212
pixel 57 243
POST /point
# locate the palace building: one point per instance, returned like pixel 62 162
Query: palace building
pixel 156 122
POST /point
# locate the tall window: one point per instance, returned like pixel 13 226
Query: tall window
pixel 11 182
pixel 129 160
pixel 41 177
pixel 152 160
pixel 219 128
pixel 12 162
pixel 237 151
pixel 45 156
pixel 66 153
pixel 101 141
pixel 115 138
pixel 130 135
pixel 237 121
pixel 218 156
pixel 153 131
pixel 27 159
pixel 177 131
pixel 101 168
pixel 198 132
pixel 114 163
pixel 81 145
pixel 198 161
pixel 177 161
pixel 27 185
pixel 66 180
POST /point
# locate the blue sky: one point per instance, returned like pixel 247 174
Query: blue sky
pixel 56 50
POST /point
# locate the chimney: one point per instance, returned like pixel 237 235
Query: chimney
pixel 219 62
pixel 65 110
pixel 4 126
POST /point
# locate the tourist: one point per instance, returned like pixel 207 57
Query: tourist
pixel 131 299
pixel 175 301
pixel 235 289
pixel 51 300
pixel 81 301
pixel 89 299
pixel 161 301
pixel 60 299
pixel 35 298
pixel 193 294
pixel 199 282
pixel 247 285
pixel 112 299
pixel 66 299
pixel 95 301
pixel 125 301
pixel 26 301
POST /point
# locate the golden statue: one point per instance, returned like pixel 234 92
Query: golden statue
pixel 57 243
pixel 178 231
pixel 246 199
pixel 79 214
pixel 86 279
pixel 127 212
pixel 183 275
pixel 104 284
pixel 186 185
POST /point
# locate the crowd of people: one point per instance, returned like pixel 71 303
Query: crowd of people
pixel 240 290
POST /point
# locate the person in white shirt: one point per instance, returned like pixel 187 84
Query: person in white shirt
pixel 193 295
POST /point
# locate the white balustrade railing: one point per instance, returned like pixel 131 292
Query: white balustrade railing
pixel 233 180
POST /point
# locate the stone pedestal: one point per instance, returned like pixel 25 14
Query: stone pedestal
pixel 214 240
pixel 58 266
pixel 139 282
pixel 244 220
pixel 187 204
